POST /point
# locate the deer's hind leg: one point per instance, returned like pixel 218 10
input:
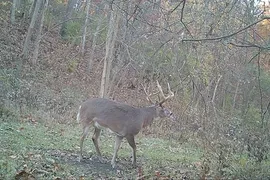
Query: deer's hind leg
pixel 95 139
pixel 85 132
pixel 118 140
pixel 132 143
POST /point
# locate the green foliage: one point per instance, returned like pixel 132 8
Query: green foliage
pixel 71 31
pixel 262 75
pixel 54 14
pixel 99 20
pixel 10 85
pixel 6 114
pixel 72 65
pixel 265 81
pixel 252 118
pixel 7 169
pixel 49 19
pixel 228 102
pixel 5 7
pixel 249 168
pixel 192 63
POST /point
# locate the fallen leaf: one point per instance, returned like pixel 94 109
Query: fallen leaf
pixel 81 178
pixel 23 175
pixel 21 128
pixel 56 166
pixel 157 173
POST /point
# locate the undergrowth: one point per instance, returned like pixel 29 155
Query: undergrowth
pixel 49 150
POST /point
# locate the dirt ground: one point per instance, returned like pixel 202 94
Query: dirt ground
pixel 93 166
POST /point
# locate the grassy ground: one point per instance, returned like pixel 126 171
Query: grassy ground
pixel 50 151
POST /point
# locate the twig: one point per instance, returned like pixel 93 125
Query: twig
pixel 182 10
pixel 229 35
pixel 248 46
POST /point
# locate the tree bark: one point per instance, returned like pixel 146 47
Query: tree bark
pixel 32 8
pixel 67 16
pixel 85 26
pixel 38 39
pixel 110 43
pixel 13 12
pixel 30 29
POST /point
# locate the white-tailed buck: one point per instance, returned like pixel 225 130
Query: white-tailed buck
pixel 123 120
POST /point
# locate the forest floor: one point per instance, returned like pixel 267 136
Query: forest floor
pixel 40 148
pixel 42 142
pixel 36 150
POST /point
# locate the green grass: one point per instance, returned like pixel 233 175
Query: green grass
pixel 25 147
pixel 50 151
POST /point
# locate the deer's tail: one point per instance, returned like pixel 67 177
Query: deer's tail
pixel 78 115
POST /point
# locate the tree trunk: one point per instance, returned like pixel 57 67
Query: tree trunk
pixel 38 39
pixel 13 12
pixel 32 8
pixel 85 25
pixel 110 43
pixel 30 29
pixel 119 53
pixel 67 16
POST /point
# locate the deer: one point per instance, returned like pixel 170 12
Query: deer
pixel 123 120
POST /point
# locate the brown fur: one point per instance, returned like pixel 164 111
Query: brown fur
pixel 124 120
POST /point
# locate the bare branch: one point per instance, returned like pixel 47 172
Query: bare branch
pixel 177 6
pixel 148 95
pixel 182 10
pixel 249 46
pixel 229 35
pixel 214 94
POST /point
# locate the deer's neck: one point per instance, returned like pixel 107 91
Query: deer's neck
pixel 149 113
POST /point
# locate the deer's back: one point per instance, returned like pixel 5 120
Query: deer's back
pixel 113 115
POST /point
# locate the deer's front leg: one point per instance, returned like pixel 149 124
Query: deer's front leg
pixel 131 142
pixel 118 140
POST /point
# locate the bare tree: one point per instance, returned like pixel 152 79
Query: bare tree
pixel 69 11
pixel 30 29
pixel 94 42
pixel 13 11
pixel 32 8
pixel 38 39
pixel 85 26
pixel 95 37
pixel 110 45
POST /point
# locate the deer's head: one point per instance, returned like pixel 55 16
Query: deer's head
pixel 162 112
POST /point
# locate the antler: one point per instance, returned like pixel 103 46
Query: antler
pixel 171 94
pixel 148 95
